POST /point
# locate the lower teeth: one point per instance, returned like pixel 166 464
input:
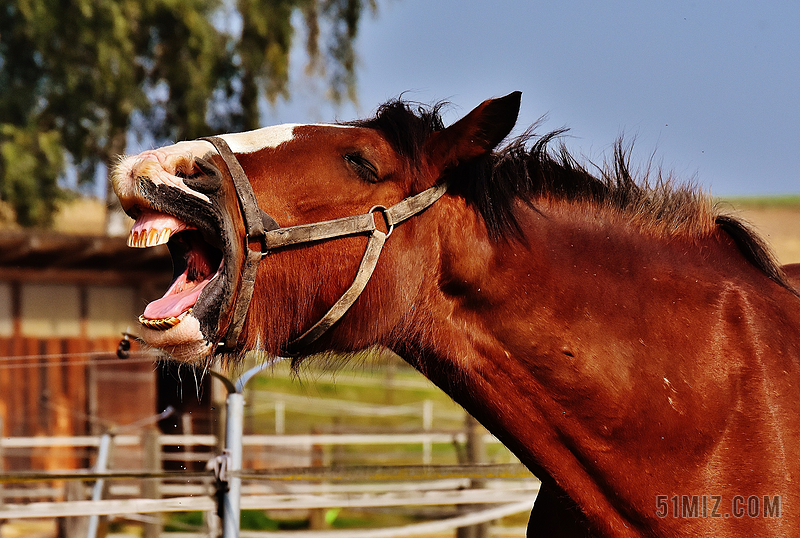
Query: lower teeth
pixel 160 324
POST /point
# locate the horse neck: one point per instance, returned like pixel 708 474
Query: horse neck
pixel 551 341
pixel 576 281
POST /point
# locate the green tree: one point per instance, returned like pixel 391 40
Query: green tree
pixel 78 76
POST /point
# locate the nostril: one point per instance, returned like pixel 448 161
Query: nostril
pixel 206 167
pixel 204 177
pixel 187 170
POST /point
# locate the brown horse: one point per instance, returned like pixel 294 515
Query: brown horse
pixel 638 351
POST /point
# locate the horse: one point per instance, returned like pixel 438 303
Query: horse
pixel 636 348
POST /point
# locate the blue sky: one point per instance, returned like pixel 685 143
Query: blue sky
pixel 710 89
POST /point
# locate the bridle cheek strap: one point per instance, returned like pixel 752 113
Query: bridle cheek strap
pixel 262 230
pixel 342 227
pixel 340 307
pixel 254 224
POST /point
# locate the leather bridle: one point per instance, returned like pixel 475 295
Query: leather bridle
pixel 264 234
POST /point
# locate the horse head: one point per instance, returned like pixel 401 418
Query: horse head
pixel 226 205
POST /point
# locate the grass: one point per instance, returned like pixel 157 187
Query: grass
pixel 788 201
pixel 319 400
pixel 390 384
pixel 251 520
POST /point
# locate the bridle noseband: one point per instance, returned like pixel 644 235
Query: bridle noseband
pixel 264 235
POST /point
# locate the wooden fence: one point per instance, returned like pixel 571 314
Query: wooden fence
pixel 316 473
pixel 505 488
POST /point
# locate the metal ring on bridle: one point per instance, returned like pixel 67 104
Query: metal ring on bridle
pixel 386 220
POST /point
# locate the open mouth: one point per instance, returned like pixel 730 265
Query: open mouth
pixel 195 265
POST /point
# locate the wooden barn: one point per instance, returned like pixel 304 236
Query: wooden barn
pixel 65 302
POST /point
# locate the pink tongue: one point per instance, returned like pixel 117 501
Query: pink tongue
pixel 174 304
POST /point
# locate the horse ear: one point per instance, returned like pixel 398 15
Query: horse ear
pixel 475 134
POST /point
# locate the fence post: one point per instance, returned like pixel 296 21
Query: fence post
pixel 475 453
pixel 427 425
pixel 231 511
pixel 151 487
pixel 2 466
pixel 76 526
pixel 234 430
pixel 316 516
pixel 103 457
pixel 213 518
pixel 2 461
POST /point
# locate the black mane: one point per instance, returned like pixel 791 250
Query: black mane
pixel 404 128
pixel 527 169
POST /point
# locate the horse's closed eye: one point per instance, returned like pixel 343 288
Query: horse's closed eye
pixel 361 166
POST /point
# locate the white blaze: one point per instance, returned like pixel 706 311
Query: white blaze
pixel 154 163
pixel 268 137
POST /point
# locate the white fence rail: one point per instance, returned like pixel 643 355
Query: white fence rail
pixel 268 502
pixel 491 498
pixel 302 495
pixel 89 441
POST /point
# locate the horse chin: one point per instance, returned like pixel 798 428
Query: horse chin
pixel 184 342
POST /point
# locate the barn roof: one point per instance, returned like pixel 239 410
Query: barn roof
pixel 43 255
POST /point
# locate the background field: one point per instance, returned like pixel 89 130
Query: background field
pixel 776 218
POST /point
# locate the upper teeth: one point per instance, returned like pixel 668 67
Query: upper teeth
pixel 148 238
pixel 152 229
